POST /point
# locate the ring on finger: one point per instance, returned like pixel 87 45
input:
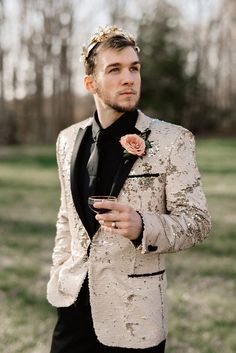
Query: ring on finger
pixel 113 224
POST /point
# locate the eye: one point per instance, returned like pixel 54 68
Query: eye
pixel 114 69
pixel 134 68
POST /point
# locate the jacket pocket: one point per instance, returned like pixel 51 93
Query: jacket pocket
pixel 135 275
pixel 145 175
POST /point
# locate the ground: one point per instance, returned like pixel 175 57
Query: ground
pixel 201 280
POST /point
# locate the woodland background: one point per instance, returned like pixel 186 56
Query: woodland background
pixel 188 53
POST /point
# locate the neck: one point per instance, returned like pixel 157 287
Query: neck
pixel 107 116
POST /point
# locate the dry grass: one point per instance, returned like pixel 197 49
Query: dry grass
pixel 201 280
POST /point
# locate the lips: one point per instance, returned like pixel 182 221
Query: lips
pixel 127 93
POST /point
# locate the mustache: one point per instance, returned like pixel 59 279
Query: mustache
pixel 130 90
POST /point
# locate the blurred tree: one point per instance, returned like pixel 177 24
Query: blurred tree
pixel 1 55
pixel 163 63
pixel 170 90
pixel 47 44
pixel 219 64
pixel 2 102
pixel 189 71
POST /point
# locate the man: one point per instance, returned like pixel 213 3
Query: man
pixel 108 276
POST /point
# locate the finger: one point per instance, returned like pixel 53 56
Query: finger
pixel 111 205
pixel 110 216
pixel 115 216
pixel 115 224
pixel 116 231
pixel 119 228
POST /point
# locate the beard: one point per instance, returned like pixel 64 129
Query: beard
pixel 116 106
pixel 122 109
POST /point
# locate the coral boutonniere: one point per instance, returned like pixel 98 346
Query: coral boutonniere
pixel 136 144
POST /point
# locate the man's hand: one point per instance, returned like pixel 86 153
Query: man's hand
pixel 122 219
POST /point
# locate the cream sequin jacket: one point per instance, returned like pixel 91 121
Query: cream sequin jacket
pixel 127 284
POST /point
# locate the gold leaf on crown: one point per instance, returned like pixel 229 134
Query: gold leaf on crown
pixel 100 36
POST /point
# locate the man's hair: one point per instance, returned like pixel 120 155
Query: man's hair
pixel 109 37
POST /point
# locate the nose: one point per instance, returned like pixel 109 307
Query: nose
pixel 127 78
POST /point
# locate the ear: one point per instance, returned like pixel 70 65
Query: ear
pixel 89 84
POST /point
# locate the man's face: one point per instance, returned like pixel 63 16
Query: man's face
pixel 117 79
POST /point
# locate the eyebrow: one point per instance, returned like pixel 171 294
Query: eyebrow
pixel 119 64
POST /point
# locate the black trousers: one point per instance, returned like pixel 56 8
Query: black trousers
pixel 74 331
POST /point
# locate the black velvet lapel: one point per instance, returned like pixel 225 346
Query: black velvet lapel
pixel 122 174
pixel 123 171
pixel 73 170
pixel 125 167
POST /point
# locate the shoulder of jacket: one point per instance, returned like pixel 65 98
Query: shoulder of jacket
pixel 165 132
pixel 170 130
pixel 72 130
pixel 161 125
pixel 167 127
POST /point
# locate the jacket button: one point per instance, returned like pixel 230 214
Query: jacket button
pixel 152 248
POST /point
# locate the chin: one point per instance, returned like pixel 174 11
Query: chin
pixel 124 109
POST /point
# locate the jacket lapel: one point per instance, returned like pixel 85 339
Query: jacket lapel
pixel 73 169
pixel 121 175
pixel 143 123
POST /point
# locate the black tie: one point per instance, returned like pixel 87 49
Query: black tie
pixel 92 165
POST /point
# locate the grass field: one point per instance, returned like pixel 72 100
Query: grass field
pixel 202 287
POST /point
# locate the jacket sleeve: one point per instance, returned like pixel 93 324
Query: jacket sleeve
pixel 62 247
pixel 187 220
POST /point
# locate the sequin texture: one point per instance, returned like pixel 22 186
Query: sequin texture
pixel 127 295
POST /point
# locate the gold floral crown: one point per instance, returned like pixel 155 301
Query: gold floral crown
pixel 102 35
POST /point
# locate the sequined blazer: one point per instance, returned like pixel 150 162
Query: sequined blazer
pixel 127 284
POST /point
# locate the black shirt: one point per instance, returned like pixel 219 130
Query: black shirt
pixel 111 154
pixel 110 158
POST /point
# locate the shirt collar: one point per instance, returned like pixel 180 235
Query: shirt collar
pixel 122 126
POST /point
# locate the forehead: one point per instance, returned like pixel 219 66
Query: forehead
pixel 109 56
